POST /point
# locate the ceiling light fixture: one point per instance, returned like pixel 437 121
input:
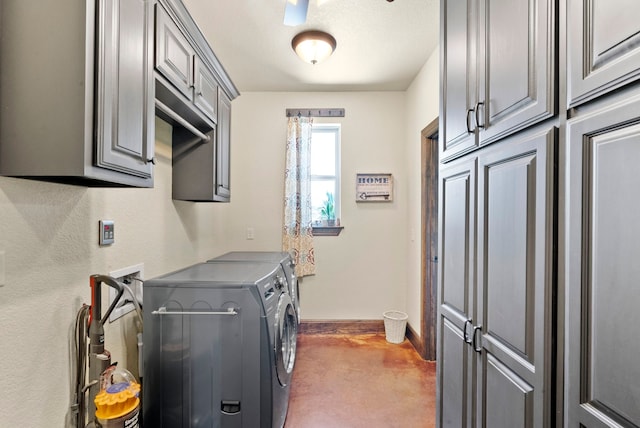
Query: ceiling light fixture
pixel 313 46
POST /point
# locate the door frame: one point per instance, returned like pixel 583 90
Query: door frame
pixel 430 163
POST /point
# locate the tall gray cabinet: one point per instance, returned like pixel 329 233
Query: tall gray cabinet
pixel 602 369
pixel 76 91
pixel 497 205
pixel 539 237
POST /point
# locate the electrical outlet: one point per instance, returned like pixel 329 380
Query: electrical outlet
pixel 133 277
pixel 250 233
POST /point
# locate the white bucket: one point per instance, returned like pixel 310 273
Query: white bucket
pixel 395 326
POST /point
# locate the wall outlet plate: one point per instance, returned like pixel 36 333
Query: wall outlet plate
pixel 125 275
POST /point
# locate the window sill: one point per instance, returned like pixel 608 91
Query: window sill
pixel 327 230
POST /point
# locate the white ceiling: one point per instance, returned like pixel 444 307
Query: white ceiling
pixel 381 45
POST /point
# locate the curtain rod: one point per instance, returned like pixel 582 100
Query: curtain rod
pixel 315 112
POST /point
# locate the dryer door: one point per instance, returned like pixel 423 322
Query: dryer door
pixel 286 338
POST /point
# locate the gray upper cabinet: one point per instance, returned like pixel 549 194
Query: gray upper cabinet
pixel 603 47
pixel 125 112
pixel 516 65
pixel 77 91
pixel 498 70
pixel 177 61
pixel 205 90
pixel 193 94
pixel 174 54
pixel 457 71
pixel 602 372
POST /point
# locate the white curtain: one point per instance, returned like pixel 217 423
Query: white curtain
pixel 297 233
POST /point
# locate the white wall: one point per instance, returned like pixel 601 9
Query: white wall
pixel 422 101
pixel 49 235
pixel 362 272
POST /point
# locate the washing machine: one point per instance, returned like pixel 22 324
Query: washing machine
pixel 220 343
pixel 282 257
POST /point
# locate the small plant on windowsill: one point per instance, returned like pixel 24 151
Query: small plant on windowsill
pixel 327 211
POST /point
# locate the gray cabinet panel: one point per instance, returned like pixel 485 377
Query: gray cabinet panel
pixel 604 244
pixel 603 46
pixel 515 282
pixel 509 399
pixel 458 64
pixel 508 250
pixel 223 151
pixel 456 362
pixel 174 54
pixel 206 90
pixel 509 78
pixel 454 378
pixel 516 69
pixel 457 196
pixel 124 98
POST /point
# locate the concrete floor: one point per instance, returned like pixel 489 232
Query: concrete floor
pixel 353 381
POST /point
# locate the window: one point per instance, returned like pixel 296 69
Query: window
pixel 325 174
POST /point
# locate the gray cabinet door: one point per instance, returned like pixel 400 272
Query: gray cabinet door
pixel 516 65
pixel 124 96
pixel 457 75
pixel 206 90
pixel 223 151
pixel 497 70
pixel 603 47
pixel 456 294
pixel 174 54
pixel 516 281
pixel 602 367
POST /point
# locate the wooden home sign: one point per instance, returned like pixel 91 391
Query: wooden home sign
pixel 374 187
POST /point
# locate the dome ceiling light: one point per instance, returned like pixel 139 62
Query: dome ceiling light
pixel 313 46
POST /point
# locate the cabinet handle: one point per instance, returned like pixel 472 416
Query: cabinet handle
pixel 475 341
pixel 477 114
pixel 465 337
pixel 469 130
pixel 152 160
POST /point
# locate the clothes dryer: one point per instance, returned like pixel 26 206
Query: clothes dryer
pixel 219 347
pixel 282 257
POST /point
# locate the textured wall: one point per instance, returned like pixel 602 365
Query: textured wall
pixel 49 233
